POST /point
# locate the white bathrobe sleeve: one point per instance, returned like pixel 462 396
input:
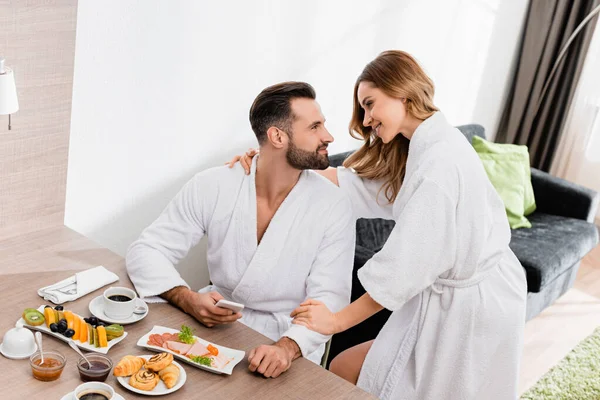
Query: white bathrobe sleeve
pixel 367 198
pixel 152 258
pixel 330 278
pixel 421 247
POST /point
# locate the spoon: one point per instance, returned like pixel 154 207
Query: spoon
pixel 140 310
pixel 74 347
pixel 38 340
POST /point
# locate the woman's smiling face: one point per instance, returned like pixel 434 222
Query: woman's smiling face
pixel 384 114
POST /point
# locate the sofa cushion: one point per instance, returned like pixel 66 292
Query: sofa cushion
pixel 551 246
pixel 372 233
pixel 507 167
pixel 472 130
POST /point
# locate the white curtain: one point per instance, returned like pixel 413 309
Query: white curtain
pixel 578 154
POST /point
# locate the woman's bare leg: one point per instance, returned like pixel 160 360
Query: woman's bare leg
pixel 348 363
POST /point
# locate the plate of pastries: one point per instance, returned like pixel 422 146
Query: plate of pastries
pixel 152 375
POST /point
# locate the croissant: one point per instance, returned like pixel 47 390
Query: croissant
pixel 159 361
pixel 169 375
pixel 129 365
pixel 144 380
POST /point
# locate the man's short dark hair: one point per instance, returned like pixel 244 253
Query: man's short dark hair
pixel 272 107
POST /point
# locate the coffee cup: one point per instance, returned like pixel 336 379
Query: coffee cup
pixel 119 302
pixel 93 390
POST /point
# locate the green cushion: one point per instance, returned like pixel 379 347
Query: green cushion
pixel 507 167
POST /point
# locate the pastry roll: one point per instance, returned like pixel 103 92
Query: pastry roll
pixel 169 375
pixel 129 365
pixel 144 380
pixel 159 361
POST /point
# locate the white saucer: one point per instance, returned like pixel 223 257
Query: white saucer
pixel 97 309
pixel 17 356
pixel 69 396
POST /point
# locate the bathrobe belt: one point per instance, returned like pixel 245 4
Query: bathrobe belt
pixel 440 283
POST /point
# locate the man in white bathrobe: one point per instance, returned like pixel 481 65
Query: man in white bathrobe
pixel 275 237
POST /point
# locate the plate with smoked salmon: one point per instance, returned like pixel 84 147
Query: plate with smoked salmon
pixel 191 349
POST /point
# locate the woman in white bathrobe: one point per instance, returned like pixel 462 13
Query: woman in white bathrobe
pixel 457 291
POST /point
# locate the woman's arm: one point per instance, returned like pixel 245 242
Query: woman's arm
pixel 329 173
pixel 357 312
pixel 246 161
pixel 316 316
pixel 366 195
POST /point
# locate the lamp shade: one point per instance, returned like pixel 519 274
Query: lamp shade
pixel 8 91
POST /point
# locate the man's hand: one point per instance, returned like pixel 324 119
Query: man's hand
pixel 273 360
pixel 201 306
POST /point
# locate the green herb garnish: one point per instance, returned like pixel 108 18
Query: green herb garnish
pixel 202 360
pixel 186 335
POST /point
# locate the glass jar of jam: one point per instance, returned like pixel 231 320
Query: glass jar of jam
pixel 98 370
pixel 51 368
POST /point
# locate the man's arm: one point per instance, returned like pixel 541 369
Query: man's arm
pixel 273 360
pixel 152 258
pixel 330 279
pixel 200 306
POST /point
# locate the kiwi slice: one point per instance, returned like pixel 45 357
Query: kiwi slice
pixel 96 340
pixel 61 315
pixel 90 333
pixel 114 330
pixel 33 317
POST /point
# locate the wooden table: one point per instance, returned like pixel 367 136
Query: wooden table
pixel 18 290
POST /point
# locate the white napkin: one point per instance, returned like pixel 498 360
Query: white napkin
pixel 78 285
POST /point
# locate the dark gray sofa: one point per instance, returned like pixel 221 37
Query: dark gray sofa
pixel 562 233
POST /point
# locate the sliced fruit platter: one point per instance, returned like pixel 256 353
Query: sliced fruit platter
pixel 191 349
pixel 87 333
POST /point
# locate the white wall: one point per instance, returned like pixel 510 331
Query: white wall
pixel 162 88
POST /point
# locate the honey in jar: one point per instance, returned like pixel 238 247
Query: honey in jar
pixel 49 370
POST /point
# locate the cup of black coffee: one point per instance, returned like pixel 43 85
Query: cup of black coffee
pixel 119 302
pixel 94 391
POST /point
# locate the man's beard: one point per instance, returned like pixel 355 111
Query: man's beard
pixel 302 159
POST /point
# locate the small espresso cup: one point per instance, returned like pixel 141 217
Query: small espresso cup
pixel 119 302
pixel 93 390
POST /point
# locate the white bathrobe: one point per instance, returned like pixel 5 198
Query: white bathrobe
pixel 306 252
pixel 456 290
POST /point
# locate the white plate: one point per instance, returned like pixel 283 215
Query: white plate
pixel 85 346
pixel 160 388
pixel 236 355
pixel 17 356
pixel 69 396
pixel 97 309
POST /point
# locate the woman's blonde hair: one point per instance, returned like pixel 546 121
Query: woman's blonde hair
pixel 398 75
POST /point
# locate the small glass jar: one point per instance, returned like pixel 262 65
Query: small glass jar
pixel 51 368
pixel 101 366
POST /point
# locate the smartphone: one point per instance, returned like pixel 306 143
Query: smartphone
pixel 230 305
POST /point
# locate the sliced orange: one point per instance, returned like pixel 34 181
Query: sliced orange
pixel 102 336
pixel 76 327
pixel 49 316
pixel 69 317
pixel 83 334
